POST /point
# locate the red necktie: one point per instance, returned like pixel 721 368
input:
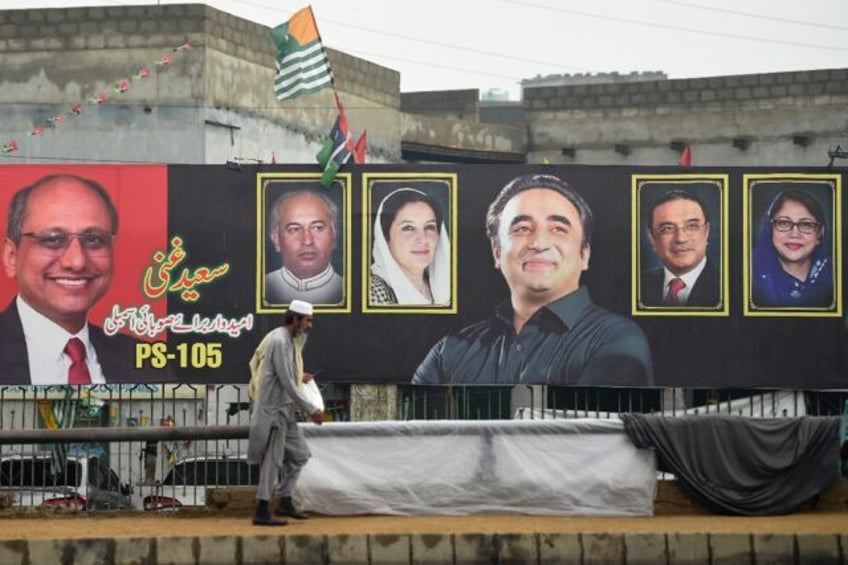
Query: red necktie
pixel 78 373
pixel 675 285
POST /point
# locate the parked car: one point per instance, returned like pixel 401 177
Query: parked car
pixel 187 481
pixel 82 483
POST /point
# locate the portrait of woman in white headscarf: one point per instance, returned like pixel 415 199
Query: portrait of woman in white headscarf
pixel 411 251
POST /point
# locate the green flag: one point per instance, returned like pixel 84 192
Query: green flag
pixel 302 65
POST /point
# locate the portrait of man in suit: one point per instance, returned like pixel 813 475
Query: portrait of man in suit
pixel 304 227
pixel 678 228
pixel 59 250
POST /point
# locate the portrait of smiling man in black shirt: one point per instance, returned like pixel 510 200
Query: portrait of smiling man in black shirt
pixel 549 331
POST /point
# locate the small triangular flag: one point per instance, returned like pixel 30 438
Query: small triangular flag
pixel 686 157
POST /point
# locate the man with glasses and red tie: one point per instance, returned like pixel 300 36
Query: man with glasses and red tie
pixel 678 226
pixel 58 248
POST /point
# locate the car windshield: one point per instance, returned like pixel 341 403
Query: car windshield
pixel 215 473
pixel 38 472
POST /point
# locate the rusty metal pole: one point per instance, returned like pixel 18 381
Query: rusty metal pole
pixel 157 433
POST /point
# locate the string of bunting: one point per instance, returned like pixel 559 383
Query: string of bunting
pixel 116 89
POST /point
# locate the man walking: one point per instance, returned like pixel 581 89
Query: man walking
pixel 275 442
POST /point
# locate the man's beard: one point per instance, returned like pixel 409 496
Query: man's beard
pixel 299 339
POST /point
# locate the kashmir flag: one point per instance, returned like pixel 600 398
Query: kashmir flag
pixel 302 65
pixel 336 150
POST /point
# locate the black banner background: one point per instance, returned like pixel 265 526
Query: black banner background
pixel 214 210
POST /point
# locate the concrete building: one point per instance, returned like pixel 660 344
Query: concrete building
pixel 213 103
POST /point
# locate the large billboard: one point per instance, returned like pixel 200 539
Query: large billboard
pixel 462 274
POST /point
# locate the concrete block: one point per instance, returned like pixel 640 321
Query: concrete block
pixel 432 548
pixel 688 548
pixel 262 549
pixel 773 549
pixel 565 549
pixel 602 548
pixel 347 549
pixel 820 549
pixel 71 551
pixel 389 549
pixel 13 552
pixel 730 549
pixel 130 550
pixel 214 550
pixel 305 549
pixel 645 548
pixel 176 551
pixel 474 548
pixel 517 548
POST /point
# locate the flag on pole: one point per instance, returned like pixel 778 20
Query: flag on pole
pixel 359 149
pixel 686 157
pixel 337 148
pixel 302 64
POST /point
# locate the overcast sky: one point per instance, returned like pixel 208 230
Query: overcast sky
pixel 485 44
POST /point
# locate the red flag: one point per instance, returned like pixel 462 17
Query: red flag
pixel 686 157
pixel 359 149
pixel 273 158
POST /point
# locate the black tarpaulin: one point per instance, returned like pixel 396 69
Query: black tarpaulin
pixel 743 465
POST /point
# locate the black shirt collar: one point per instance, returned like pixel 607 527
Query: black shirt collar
pixel 567 309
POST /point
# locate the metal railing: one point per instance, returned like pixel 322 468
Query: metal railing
pixel 142 431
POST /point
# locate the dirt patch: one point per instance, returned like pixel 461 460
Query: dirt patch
pixel 218 523
pixel 675 513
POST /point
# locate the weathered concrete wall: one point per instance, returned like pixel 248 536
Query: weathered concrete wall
pixel 449 104
pixel 768 111
pixel 213 103
pixel 434 131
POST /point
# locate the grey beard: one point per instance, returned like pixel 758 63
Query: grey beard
pixel 299 340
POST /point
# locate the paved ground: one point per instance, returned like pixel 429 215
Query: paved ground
pixel 28 525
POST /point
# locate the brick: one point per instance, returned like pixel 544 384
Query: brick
pixel 773 549
pixel 518 548
pixel 821 549
pixel 130 550
pixel 688 548
pixel 474 548
pixel 262 549
pixel 645 549
pixel 176 551
pixel 730 549
pixel 347 548
pixel 390 549
pixel 305 549
pixel 602 548
pixel 71 551
pixel 13 552
pixel 432 548
pixel 560 549
pixel 215 550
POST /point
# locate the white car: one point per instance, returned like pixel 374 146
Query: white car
pixel 82 483
pixel 187 481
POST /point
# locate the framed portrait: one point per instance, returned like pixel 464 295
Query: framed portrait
pixel 409 244
pixel 122 281
pixel 792 254
pixel 680 245
pixel 303 241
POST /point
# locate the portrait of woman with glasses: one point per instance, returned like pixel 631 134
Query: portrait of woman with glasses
pixel 792 260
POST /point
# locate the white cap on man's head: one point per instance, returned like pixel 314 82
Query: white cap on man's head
pixel 300 307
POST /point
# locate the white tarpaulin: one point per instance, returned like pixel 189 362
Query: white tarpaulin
pixel 578 467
